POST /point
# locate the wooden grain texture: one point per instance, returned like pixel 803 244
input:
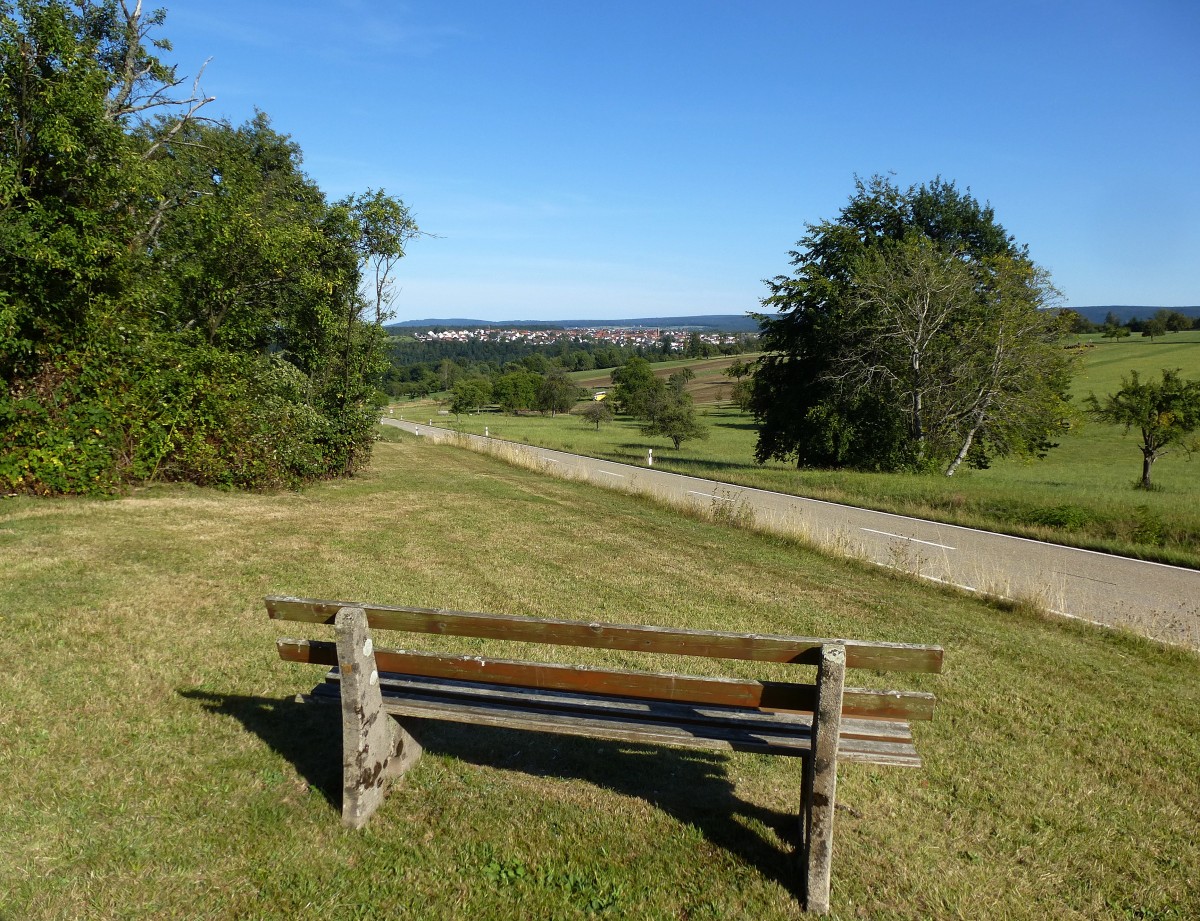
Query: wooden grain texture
pixel 854 740
pixel 635 728
pixel 820 779
pixel 768 695
pixel 706 643
pixel 368 737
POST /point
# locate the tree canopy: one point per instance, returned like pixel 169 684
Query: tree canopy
pixel 1165 412
pixel 634 386
pixel 180 300
pixel 911 334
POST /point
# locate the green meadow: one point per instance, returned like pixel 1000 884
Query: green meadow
pixel 1081 493
pixel 155 765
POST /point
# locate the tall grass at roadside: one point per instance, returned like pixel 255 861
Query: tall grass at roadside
pixel 155 765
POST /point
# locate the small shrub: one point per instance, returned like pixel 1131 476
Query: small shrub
pixel 1065 517
pixel 1149 527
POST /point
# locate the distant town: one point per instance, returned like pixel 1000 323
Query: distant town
pixel 661 338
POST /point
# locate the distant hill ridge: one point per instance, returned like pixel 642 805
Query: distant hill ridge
pixel 730 323
pixel 1126 312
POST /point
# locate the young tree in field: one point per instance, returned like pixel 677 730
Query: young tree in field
pixel 911 334
pixel 678 380
pixel 739 369
pixel 671 414
pixel 742 394
pixel 743 390
pixel 596 412
pixel 1166 412
pixel 1156 326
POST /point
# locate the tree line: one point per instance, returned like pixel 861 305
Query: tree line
pixel 1161 322
pixel 179 300
pixel 418 368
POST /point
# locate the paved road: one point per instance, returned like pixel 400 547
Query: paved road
pixel 1150 598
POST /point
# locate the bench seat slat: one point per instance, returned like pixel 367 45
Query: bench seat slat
pixel 570 702
pixel 706 643
pixel 904 705
pixel 628 727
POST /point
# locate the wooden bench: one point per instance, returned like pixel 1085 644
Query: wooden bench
pixel 822 722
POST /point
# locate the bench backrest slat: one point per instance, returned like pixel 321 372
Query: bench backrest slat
pixel 706 643
pixel 767 695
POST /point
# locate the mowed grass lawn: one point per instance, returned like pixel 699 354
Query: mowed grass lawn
pixel 1081 493
pixel 154 764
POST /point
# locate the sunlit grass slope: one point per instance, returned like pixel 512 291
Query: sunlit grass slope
pixel 154 765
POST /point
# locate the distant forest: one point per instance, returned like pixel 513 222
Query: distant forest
pixel 1162 321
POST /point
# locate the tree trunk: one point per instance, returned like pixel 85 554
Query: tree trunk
pixel 962 452
pixel 1147 463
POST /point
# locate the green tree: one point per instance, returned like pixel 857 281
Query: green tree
pixel 65 172
pixel 596 412
pixel 1156 326
pixel 678 380
pixel 671 414
pixel 557 393
pixel 739 369
pixel 516 390
pixel 179 300
pixel 1166 412
pixel 901 337
pixel 470 394
pixel 385 227
pixel 245 257
pixel 1076 322
pixel 696 347
pixel 742 394
pixel 634 386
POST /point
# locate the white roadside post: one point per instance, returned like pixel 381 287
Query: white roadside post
pixel 649 457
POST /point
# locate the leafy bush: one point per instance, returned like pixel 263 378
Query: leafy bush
pixel 134 409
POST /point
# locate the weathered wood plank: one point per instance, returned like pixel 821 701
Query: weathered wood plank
pixel 820 779
pixel 853 730
pixel 867 703
pixel 706 643
pixel 375 749
pixel 631 729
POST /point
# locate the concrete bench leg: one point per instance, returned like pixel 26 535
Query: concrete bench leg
pixel 820 781
pixel 375 748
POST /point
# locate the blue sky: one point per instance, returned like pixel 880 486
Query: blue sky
pixel 613 159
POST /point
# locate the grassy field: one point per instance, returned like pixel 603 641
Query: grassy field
pixel 1080 494
pixel 710 384
pixel 154 764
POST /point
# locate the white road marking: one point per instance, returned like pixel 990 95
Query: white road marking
pixel 708 495
pixel 928 543
pixel 608 473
